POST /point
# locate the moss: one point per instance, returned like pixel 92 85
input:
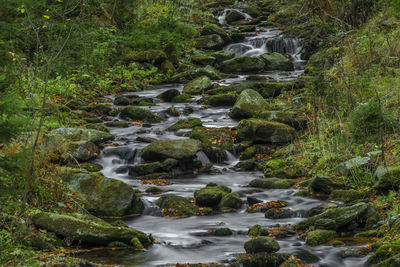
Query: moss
pixel 272 183
pixel 136 243
pixel 92 167
pixel 248 153
pixel 249 103
pixel 227 99
pixel 175 206
pixel 211 195
pixel 198 86
pixel 173 111
pixel 255 230
pixel 318 237
pixel 261 244
pixel 265 131
pixel 262 259
pixel 242 65
pixel 389 180
pixel 186 124
pixel 183 98
pixel 150 56
pixel 223 232
pixel 139 114
pixel 347 195
pixel 384 252
pixel 230 200
pixel 176 149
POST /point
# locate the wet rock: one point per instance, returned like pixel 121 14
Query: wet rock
pixel 122 101
pixel 326 184
pixel 222 55
pixel 272 183
pixel 188 123
pixel 183 98
pixel 247 105
pixel 253 200
pixel 261 259
pixel 203 59
pixel 227 99
pixel 198 86
pixel 173 111
pixel 117 124
pixel 319 237
pixel 306 256
pixel 242 65
pixel 211 195
pixel 87 229
pixel 386 253
pixel 191 74
pixel 265 131
pixel 155 167
pixel 169 95
pixel 349 195
pixel 222 232
pixel 168 68
pixel 233 15
pixel 388 179
pixel 276 61
pixel 231 201
pixel 237 36
pixel 155 190
pixel 247 28
pixel 256 230
pixel 176 149
pixel 145 139
pixel 211 29
pixel 261 244
pixel 150 56
pixel 104 196
pixel 279 213
pixel 139 114
pixel 263 207
pixel 346 168
pixel 210 42
pixel 175 206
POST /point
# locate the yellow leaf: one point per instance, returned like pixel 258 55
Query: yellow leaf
pixel 46 17
pixel 22 10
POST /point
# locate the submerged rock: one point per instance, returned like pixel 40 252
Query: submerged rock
pixel 248 104
pixel 88 229
pixel 265 131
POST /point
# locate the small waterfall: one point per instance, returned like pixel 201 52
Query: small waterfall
pixel 201 156
pixel 222 17
pixel 231 160
pixel 151 209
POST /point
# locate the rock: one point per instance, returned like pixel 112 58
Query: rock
pixel 122 101
pixel 139 114
pixel 321 208
pixel 168 68
pixel 247 105
pixel 203 59
pixel 154 167
pixel 211 195
pixel 346 168
pixel 273 89
pixel 227 99
pixel 319 237
pixel 183 98
pixel 276 61
pixel 306 256
pixel 104 196
pixel 214 29
pixel 98 109
pixel 272 183
pixel 388 179
pixel 279 213
pixel 175 206
pixel 256 230
pixel 340 218
pixel 261 259
pixel 176 149
pixel 198 86
pixel 173 111
pixel 237 36
pixel 87 229
pixel 168 95
pixel 188 123
pixel 325 184
pixel 263 207
pixel 296 119
pixel 242 65
pixel 261 244
pixel 283 171
pixel 92 167
pixel 387 253
pixel 231 201
pixel 83 151
pixel 210 42
pixel 234 15
pixel 146 139
pixel 150 56
pixel 78 134
pixel 346 195
pixel 191 74
pixel 265 131
pixel 222 55
pixel 222 232
pixel 117 124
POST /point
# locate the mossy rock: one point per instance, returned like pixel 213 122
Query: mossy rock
pixel 87 229
pixel 203 59
pixel 247 105
pixel 92 167
pixel 176 149
pixel 183 98
pixel 98 109
pixel 256 230
pixel 272 183
pixel 227 99
pixel 388 179
pixel 78 134
pixel 155 190
pixel 198 86
pixel 234 15
pixel 291 171
pixel 150 56
pixel 210 42
pixel 306 256
pixel 261 244
pixel 385 252
pixel 261 259
pixel 242 65
pixel 276 61
pixel 191 74
pixel 117 124
pixel 222 232
pixel 175 206
pixel 188 123
pixel 349 195
pixel 104 196
pixel 222 55
pixel 247 28
pixel 279 213
pixel 273 89
pixel 231 200
pixel 296 119
pixel 211 195
pixel 210 29
pixel 319 237
pixel 153 167
pixel 173 111
pixel 265 131
pixel 139 114
pixel 122 101
pixel 218 137
pixel 325 184
pixel 169 95
pixel 248 153
pixel 168 68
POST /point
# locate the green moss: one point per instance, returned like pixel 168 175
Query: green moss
pixel 261 244
pixel 186 124
pixel 176 149
pixel 249 103
pixel 223 232
pixel 384 252
pixel 318 237
pixel 265 131
pixel 175 206
pixel 227 99
pixel 347 195
pixel 255 230
pixel 136 243
pixel 139 114
pixel 230 200
pixel 211 195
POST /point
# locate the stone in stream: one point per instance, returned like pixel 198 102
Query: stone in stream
pixel 230 201
pixel 203 59
pixel 191 74
pixel 176 206
pixel 222 232
pixel 227 99
pixel 265 131
pixel 272 183
pixel 121 101
pixel 261 244
pixel 279 213
pixel 117 124
pixel 233 16
pixel 263 207
pixel 103 196
pixel 248 104
pixel 139 114
pixel 210 29
pixel 242 65
pixel 173 111
pixel 154 167
pixel 188 123
pixel 306 256
pixel 123 152
pixel 89 229
pixel 198 86
pixel 169 95
pixel 276 61
pixel 247 28
pixel 319 237
pixel 211 195
pixel 210 42
pixel 261 259
pixel 177 149
pixel 222 55
pixel 150 56
pixel 388 179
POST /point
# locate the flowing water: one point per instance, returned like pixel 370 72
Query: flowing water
pixel 186 240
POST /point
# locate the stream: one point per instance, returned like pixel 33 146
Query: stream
pixel 186 240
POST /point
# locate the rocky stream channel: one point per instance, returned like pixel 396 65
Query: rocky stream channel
pixel 193 239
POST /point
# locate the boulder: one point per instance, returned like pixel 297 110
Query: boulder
pixel 139 114
pixel 150 56
pixel 319 237
pixel 79 134
pixel 227 99
pixel 175 206
pixel 191 74
pixel 386 255
pixel 210 42
pixel 265 131
pixel 261 244
pixel 177 149
pixel 103 196
pixel 325 184
pixel 121 101
pixel 242 65
pixel 276 61
pixel 234 15
pixel 261 259
pixel 188 123
pixel 283 170
pixel 222 232
pixel 349 195
pixel 248 104
pixel 222 55
pixel 167 68
pixel 168 95
pixel 388 179
pixel 214 29
pixel 198 86
pixel 272 183
pixel 211 195
pixel 231 201
pixel 346 168
pixel 203 59
pixel 88 229
pixel 154 167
